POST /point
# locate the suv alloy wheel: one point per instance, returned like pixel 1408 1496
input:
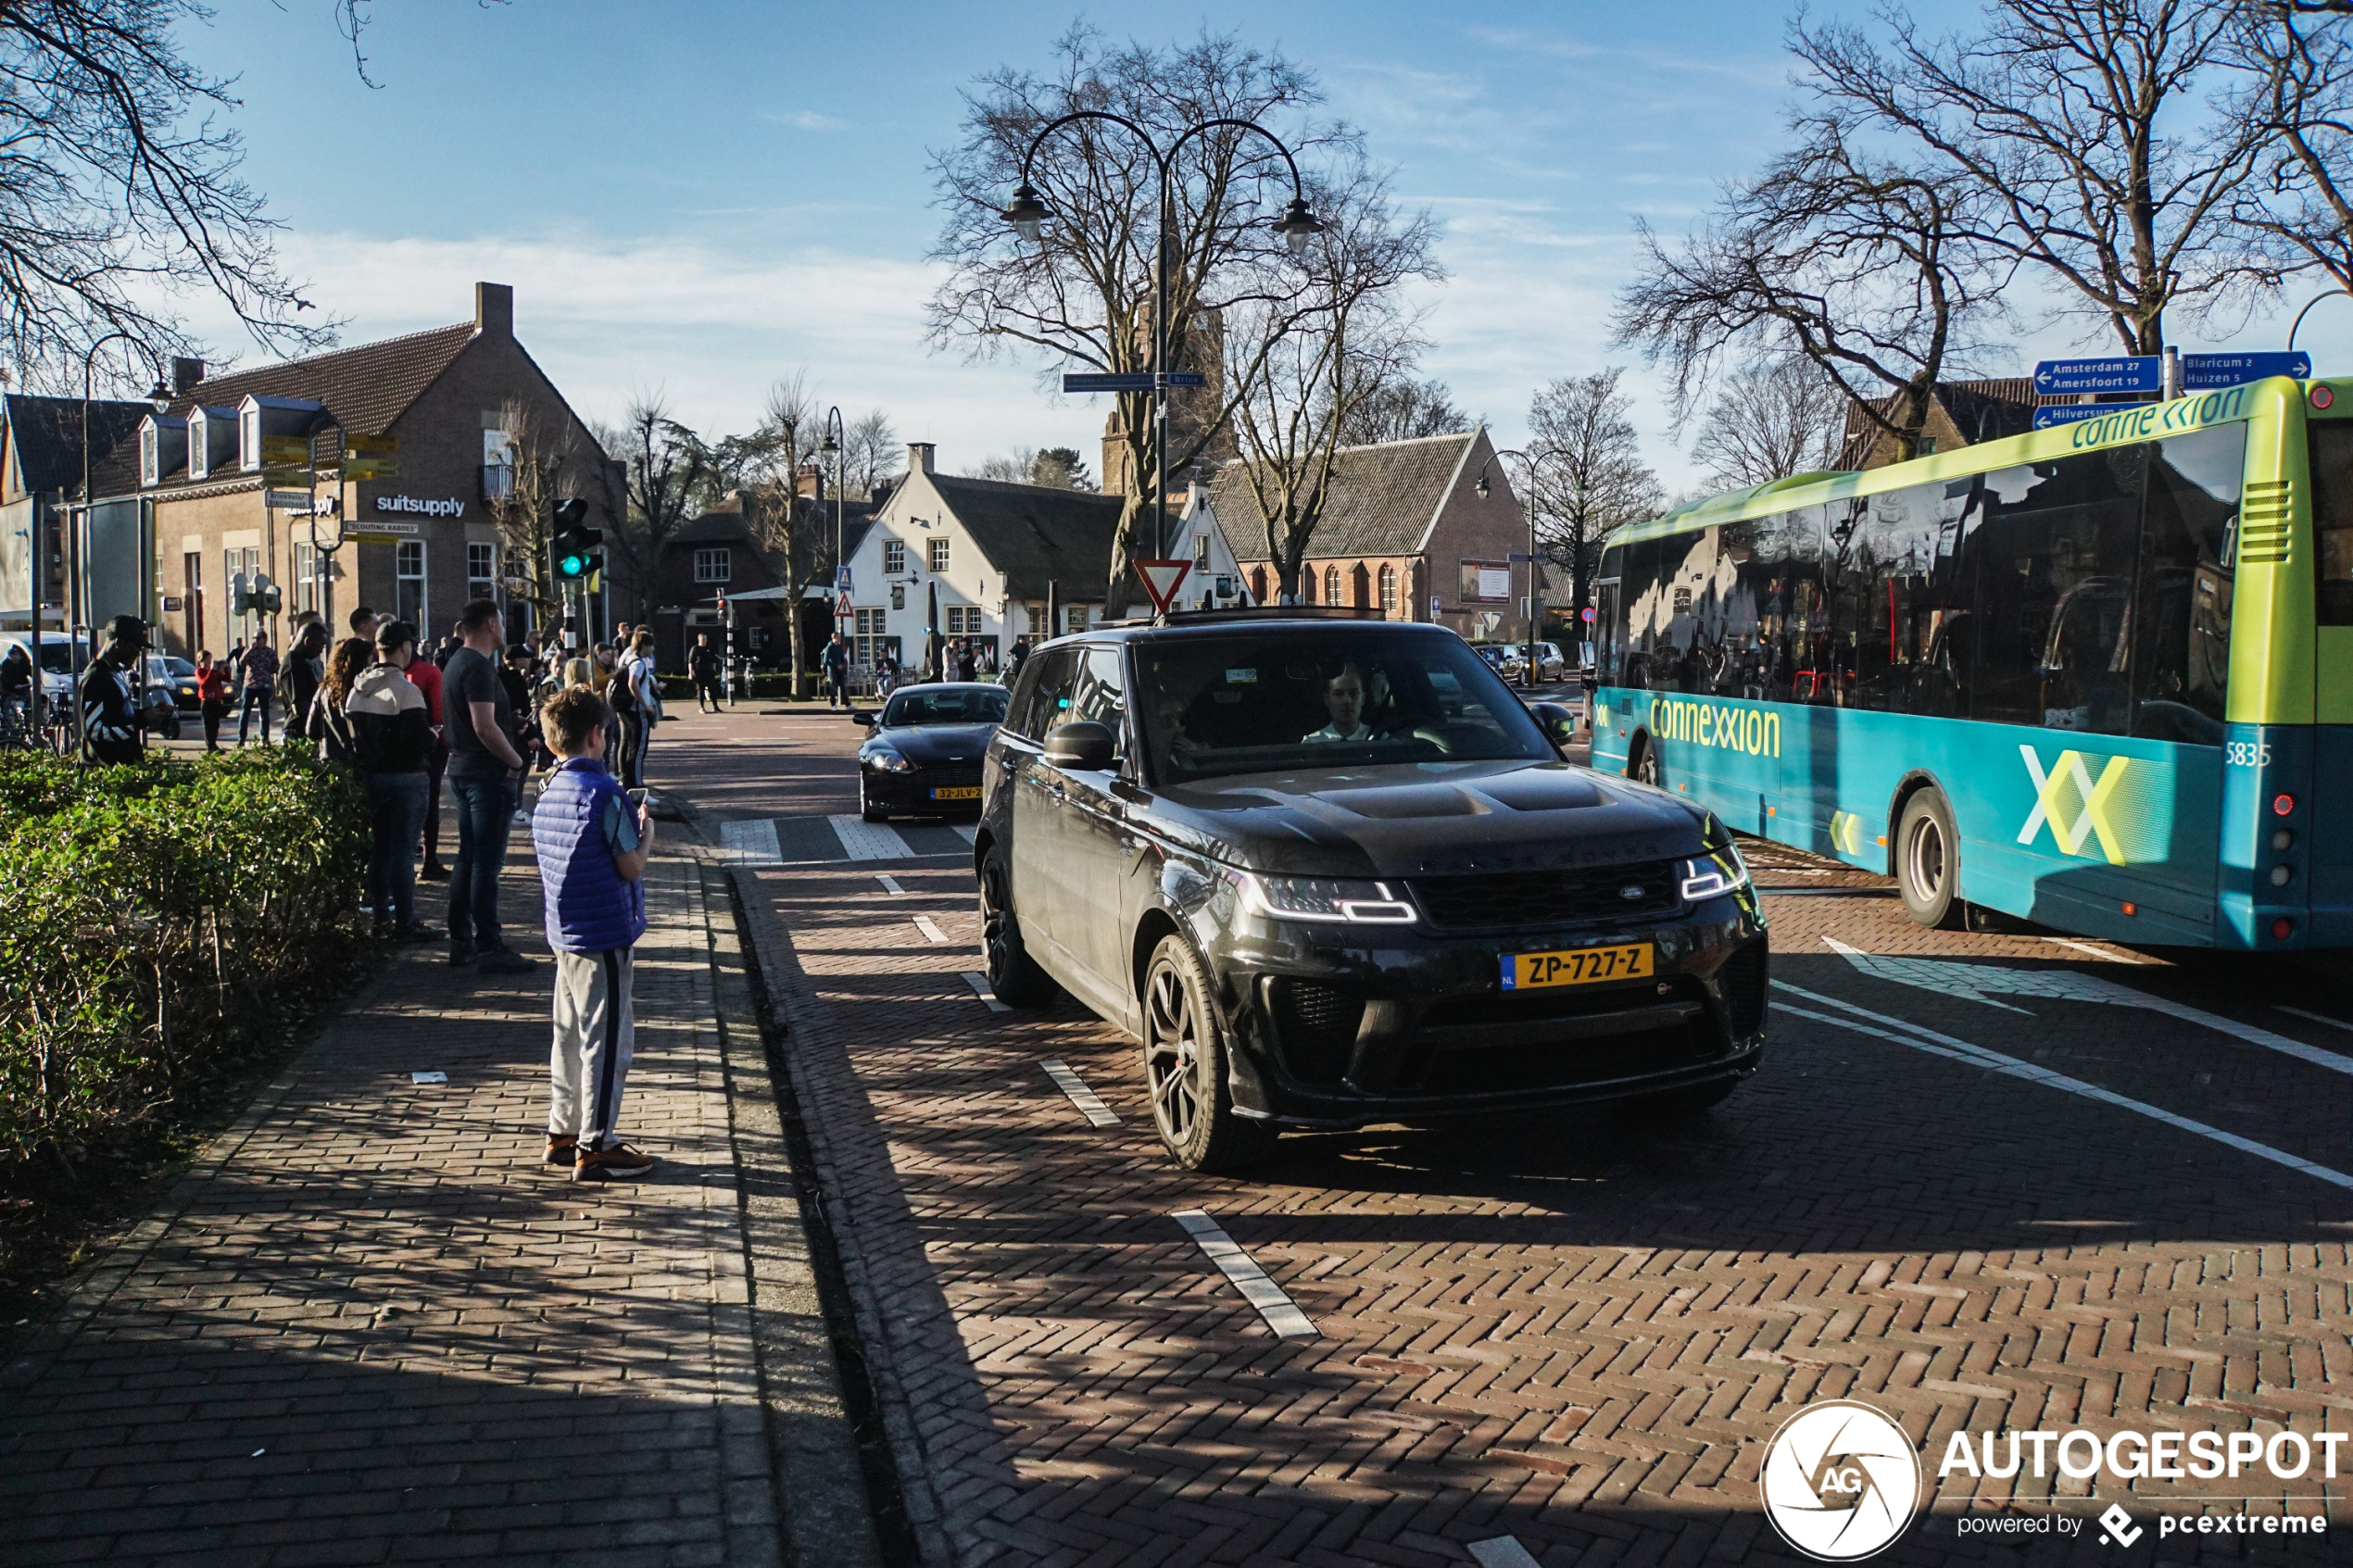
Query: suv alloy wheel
pixel 1014 975
pixel 1185 1069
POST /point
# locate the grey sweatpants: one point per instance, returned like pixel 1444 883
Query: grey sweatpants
pixel 595 1035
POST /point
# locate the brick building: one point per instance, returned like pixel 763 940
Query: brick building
pixel 718 555
pixel 466 403
pixel 1404 529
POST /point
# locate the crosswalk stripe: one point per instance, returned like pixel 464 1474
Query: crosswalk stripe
pixel 751 843
pixel 889 884
pixel 863 840
pixel 967 831
pixel 979 983
pixel 1281 1313
pixel 924 923
pixel 1503 1551
pixel 1090 1104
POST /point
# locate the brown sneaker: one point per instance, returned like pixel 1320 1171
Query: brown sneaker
pixel 562 1149
pixel 618 1160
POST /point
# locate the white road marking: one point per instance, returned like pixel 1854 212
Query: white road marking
pixel 924 923
pixel 890 884
pixel 967 831
pixel 863 840
pixel 1971 980
pixel 1281 1314
pixel 752 844
pixel 2315 1016
pixel 1503 1551
pixel 1921 1038
pixel 979 983
pixel 1090 1104
pixel 2105 954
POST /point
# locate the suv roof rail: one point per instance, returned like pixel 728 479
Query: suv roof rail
pixel 1253 612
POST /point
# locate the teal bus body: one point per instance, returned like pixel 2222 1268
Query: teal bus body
pixel 2143 806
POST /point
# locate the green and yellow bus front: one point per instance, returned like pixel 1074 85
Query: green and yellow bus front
pixel 2116 656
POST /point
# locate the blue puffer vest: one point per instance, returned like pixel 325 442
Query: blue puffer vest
pixel 590 907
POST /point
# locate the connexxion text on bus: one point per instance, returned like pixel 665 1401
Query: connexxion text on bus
pixel 2099 676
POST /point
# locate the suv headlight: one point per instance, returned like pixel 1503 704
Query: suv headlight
pixel 1324 898
pixel 887 759
pixel 1718 871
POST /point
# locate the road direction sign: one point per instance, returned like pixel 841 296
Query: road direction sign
pixel 1127 381
pixel 360 471
pixel 371 445
pixel 288 449
pixel 384 536
pixel 2075 413
pixel 2128 372
pixel 286 500
pixel 2201 373
pixel 1161 579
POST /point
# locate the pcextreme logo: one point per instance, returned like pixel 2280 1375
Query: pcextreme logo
pixel 1840 1481
pixel 2076 805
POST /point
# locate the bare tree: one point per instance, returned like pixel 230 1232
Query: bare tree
pixel 120 190
pixel 1864 269
pixel 1009 468
pixel 1590 473
pixel 1304 363
pixel 1776 416
pixel 2067 119
pixel 2297 83
pixel 873 454
pixel 1085 295
pixel 793 530
pixel 663 463
pixel 1404 409
pixel 1057 468
pixel 546 464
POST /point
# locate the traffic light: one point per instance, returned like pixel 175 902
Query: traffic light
pixel 572 544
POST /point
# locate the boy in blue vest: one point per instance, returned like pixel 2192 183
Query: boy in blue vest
pixel 592 844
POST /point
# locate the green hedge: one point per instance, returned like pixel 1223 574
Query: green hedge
pixel 150 914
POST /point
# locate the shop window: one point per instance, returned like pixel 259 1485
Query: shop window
pixel 409 582
pixel 963 620
pixel 482 571
pixel 712 565
pixel 938 555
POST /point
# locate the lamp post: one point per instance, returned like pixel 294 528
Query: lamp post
pixel 836 446
pixel 2292 326
pixel 160 399
pixel 1028 213
pixel 1535 609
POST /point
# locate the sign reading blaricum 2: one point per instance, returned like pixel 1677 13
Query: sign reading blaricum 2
pixel 2093 675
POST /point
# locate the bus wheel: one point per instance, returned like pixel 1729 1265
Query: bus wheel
pixel 1928 861
pixel 1643 769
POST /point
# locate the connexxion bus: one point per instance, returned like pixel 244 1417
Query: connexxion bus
pixel 2099 676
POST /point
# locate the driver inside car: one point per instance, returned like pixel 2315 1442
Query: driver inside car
pixel 1345 702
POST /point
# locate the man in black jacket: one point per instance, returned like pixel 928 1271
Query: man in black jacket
pixel 109 716
pixel 392 739
pixel 702 668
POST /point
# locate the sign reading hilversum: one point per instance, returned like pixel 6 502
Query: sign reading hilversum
pixel 421 505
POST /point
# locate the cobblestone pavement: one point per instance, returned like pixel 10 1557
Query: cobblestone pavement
pixel 371 1325
pixel 1985 1181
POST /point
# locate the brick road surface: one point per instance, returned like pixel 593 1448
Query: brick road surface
pixel 1577 1329
pixel 373 1326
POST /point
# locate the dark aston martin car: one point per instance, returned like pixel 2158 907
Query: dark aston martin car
pixel 1331 871
pixel 924 754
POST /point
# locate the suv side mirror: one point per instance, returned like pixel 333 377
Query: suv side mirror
pixel 1558 724
pixel 865 720
pixel 1082 745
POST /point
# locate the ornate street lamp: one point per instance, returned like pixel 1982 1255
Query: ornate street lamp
pixel 1028 214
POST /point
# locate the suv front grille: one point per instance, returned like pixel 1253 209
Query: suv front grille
pixel 1519 898
pixel 1744 979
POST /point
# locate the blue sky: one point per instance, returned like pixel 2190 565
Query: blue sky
pixel 700 196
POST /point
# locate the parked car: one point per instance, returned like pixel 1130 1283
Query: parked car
pixel 1331 873
pixel 924 754
pixel 62 660
pixel 171 692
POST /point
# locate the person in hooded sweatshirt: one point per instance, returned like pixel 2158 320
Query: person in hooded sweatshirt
pixel 392 741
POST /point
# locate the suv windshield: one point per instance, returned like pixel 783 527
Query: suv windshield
pixel 945 704
pixel 1266 702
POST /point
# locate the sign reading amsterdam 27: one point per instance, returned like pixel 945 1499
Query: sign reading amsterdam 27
pixel 1754 730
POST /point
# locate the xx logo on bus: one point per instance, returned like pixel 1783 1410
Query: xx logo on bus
pixel 2092 808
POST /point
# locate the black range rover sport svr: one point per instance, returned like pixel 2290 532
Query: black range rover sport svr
pixel 1333 871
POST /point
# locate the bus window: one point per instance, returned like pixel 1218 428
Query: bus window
pixel 2331 447
pixel 2183 662
pixel 2055 574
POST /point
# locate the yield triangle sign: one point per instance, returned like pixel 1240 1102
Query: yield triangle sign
pixel 1161 579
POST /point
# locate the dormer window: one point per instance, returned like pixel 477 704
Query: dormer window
pixel 163 446
pixel 249 438
pixel 150 469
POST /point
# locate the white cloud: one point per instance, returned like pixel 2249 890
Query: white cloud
pixel 806 119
